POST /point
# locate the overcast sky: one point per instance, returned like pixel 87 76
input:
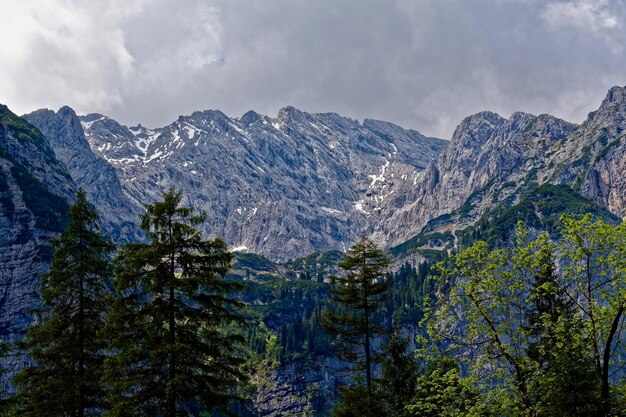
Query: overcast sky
pixel 424 64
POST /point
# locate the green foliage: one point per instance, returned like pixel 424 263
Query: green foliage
pixel 419 241
pixel 595 280
pixel 254 262
pixel 409 288
pixel 565 382
pixel 21 128
pixel 538 321
pixel 357 401
pixel 315 265
pixel 484 308
pixel 66 347
pixel 169 322
pixel 399 375
pixel 442 392
pixel 292 311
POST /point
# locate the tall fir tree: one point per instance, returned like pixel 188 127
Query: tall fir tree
pixel 172 355
pixel 399 375
pixel 358 295
pixel 65 345
pixel 565 382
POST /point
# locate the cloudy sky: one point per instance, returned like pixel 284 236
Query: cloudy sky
pixel 424 64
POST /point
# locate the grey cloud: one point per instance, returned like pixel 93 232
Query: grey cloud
pixel 422 64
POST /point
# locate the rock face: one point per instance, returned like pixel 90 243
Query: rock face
pixel 34 190
pixel 487 160
pixel 593 158
pixel 297 388
pixel 64 132
pixel 491 160
pixel 281 187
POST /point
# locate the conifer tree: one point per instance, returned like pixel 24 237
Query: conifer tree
pixel 358 294
pixel 65 345
pixel 172 355
pixel 399 375
pixel 565 382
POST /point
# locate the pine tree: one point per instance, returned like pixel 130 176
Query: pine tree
pixel 566 382
pixel 399 375
pixel 548 302
pixel 358 294
pixel 66 347
pixel 172 355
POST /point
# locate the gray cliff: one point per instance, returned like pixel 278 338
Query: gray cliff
pixel 34 192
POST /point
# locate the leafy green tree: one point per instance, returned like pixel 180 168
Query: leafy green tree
pixel 358 294
pixel 65 345
pixel 442 392
pixel 542 320
pixel 482 313
pixel 566 384
pixel 171 354
pixel 595 282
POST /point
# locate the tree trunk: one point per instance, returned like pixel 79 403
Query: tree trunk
pixel 606 358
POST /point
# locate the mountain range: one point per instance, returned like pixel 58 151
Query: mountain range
pixel 287 186
pixel 282 187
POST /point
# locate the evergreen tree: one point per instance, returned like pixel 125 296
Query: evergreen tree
pixel 358 294
pixel 566 382
pixel 399 375
pixel 356 401
pixel 167 326
pixel 65 345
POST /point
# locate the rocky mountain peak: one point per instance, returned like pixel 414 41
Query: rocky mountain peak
pixel 616 94
pixel 65 132
pixel 91 117
pixel 290 114
pixel 612 112
pixel 250 118
pixel 521 118
pixel 476 129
